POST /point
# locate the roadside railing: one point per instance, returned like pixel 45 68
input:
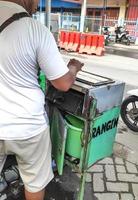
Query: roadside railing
pixel 91 25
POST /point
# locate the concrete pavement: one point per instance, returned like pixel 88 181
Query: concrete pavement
pixel 126 144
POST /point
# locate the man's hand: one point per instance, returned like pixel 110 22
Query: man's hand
pixel 75 65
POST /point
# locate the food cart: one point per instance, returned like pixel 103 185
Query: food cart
pixel 84 122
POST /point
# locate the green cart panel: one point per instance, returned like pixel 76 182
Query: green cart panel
pixel 103 135
pixel 58 137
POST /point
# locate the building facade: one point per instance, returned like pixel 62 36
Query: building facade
pixel 122 9
pixel 96 8
pixel 112 8
pixel 62 6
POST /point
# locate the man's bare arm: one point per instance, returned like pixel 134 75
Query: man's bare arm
pixel 65 82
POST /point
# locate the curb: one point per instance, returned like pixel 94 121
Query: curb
pixel 122 52
pixel 108 50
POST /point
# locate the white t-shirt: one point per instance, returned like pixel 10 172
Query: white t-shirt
pixel 24 45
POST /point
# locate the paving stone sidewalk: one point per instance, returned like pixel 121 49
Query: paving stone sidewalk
pixel 113 179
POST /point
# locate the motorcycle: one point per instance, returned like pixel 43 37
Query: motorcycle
pixel 122 35
pixel 129 110
pixel 106 33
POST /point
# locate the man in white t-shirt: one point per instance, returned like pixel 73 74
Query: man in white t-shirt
pixel 26 45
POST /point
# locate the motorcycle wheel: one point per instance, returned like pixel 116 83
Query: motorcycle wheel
pixel 128 42
pixel 125 40
pixel 129 112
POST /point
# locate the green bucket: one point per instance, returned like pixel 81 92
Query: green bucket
pixel 74 132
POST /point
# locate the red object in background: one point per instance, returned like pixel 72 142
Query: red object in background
pixel 71 41
pixel 132 11
pixel 89 40
pixel 94 44
pixel 88 44
pixel 72 37
pixel 101 41
pixel 95 41
pixel 61 39
pixel 83 39
pixel 66 40
pixel 76 44
pixel 82 42
pixel 100 48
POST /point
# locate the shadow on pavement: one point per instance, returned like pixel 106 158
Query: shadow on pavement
pixel 63 187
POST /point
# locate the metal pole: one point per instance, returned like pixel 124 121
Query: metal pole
pixel 83 14
pixel 136 31
pixel 103 13
pixel 48 13
pixel 40 6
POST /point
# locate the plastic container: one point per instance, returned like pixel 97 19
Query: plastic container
pixel 42 81
pixel 74 134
